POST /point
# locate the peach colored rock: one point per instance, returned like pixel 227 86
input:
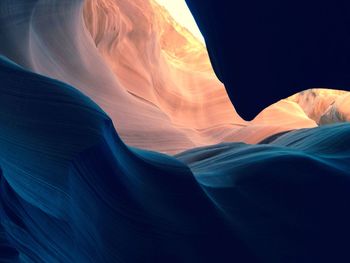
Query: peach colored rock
pixel 316 102
pixel 151 75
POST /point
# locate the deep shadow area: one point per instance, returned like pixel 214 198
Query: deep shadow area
pixel 264 51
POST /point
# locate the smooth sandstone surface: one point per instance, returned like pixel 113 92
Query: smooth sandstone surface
pixel 72 191
pixel 83 82
pixel 148 73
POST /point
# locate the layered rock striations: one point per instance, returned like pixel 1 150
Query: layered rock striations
pixel 150 74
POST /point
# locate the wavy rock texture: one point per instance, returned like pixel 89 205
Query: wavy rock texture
pixel 71 190
pixel 286 199
pixel 65 50
pixel 149 74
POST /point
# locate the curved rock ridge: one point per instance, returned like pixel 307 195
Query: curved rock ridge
pixel 159 62
pixel 72 191
pixel 148 73
pixel 287 198
pixel 64 50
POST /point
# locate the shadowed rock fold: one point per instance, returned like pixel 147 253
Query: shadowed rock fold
pixel 148 73
pixel 71 190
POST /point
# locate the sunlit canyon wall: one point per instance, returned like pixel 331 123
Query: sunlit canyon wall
pixel 150 74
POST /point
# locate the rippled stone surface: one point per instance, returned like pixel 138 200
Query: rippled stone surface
pixel 73 188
